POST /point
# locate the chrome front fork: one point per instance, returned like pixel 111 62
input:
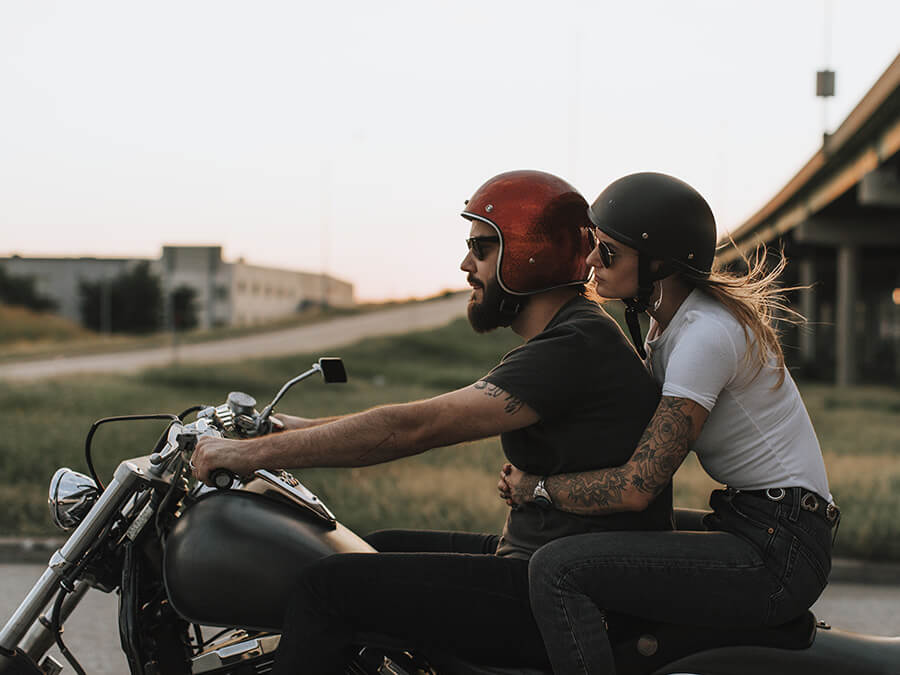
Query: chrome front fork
pixel 127 476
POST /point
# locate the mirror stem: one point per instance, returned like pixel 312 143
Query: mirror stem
pixel 264 415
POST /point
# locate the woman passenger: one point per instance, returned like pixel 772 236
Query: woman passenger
pixel 763 555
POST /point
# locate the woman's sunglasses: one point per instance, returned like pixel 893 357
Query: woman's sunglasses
pixel 476 245
pixel 607 255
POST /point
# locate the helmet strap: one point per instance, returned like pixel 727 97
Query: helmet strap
pixel 638 304
pixel 509 308
pixel 659 299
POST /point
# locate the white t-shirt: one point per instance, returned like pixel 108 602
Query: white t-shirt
pixel 756 436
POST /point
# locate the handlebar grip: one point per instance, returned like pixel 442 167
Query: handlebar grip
pixel 222 478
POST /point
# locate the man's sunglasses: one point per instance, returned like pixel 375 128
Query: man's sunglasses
pixel 476 245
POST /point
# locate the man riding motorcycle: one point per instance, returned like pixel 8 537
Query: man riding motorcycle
pixel 574 384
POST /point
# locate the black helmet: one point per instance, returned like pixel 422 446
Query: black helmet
pixel 663 218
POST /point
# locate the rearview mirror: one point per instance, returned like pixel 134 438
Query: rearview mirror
pixel 333 369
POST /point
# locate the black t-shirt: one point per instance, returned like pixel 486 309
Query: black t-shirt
pixel 595 398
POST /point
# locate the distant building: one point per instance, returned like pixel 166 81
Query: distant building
pixel 238 294
pixel 227 294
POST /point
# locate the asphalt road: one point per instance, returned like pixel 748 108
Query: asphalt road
pixel 314 337
pixel 92 635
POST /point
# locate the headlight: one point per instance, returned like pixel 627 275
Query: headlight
pixel 72 495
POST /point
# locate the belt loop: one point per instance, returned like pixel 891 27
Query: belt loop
pixel 795 504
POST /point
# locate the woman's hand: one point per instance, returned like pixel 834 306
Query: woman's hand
pixel 515 486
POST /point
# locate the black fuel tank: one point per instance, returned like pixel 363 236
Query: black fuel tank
pixel 232 557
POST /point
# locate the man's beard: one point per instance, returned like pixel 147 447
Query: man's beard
pixel 487 315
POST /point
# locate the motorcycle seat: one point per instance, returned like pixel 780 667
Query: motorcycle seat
pixel 653 646
pixel 647 646
pixel 834 652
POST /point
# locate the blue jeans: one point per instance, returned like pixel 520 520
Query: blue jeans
pixel 758 563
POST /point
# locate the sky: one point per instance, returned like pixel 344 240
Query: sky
pixel 345 136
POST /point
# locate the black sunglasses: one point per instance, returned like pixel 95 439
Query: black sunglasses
pixel 607 255
pixel 476 245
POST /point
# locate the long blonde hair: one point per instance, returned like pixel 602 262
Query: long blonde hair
pixel 757 301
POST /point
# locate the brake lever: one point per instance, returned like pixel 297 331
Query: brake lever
pixel 159 460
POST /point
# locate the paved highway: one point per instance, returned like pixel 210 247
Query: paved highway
pixel 92 634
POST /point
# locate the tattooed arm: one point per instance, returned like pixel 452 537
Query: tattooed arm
pixel 378 435
pixel 674 427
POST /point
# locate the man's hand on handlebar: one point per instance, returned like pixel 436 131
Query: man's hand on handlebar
pixel 220 453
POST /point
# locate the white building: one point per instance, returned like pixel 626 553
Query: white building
pixel 227 294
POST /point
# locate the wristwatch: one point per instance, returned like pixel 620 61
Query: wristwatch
pixel 540 495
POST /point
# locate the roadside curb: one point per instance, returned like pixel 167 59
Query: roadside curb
pixel 28 549
pixel 848 570
pixel 37 550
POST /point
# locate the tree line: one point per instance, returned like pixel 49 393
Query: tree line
pixel 131 302
pixel 21 292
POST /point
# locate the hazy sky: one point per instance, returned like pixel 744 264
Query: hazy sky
pixel 346 135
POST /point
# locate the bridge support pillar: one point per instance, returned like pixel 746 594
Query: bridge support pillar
pixel 847 291
pixel 808 306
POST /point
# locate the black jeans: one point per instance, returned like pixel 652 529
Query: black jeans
pixel 432 590
pixel 762 563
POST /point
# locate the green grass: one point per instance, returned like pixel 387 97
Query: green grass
pixel 44 424
pixel 20 326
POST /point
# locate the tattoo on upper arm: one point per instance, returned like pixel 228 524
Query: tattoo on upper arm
pixel 662 448
pixel 513 404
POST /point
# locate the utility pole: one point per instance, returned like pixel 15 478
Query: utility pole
pixel 325 230
pixel 575 110
pixel 106 304
pixel 168 272
pixel 825 78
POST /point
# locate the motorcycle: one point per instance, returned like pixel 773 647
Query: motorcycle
pixel 186 557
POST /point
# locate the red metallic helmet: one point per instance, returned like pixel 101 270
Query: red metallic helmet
pixel 545 233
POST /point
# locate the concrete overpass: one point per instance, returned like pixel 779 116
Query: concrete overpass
pixel 839 222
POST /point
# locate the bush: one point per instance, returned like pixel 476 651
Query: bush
pixel 184 308
pixel 131 302
pixel 20 292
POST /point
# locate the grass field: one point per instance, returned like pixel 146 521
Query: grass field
pixel 20 326
pixel 44 424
